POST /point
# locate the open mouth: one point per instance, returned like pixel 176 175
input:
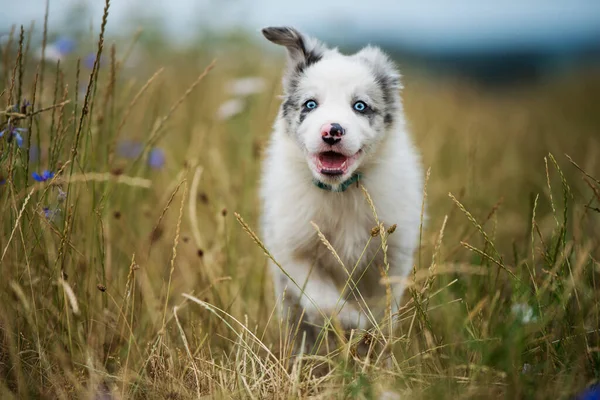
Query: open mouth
pixel 332 163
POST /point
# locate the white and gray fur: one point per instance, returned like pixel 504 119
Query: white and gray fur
pixel 384 155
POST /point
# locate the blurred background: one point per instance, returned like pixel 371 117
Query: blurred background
pixel 488 41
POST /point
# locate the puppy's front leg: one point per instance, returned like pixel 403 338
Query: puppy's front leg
pixel 401 265
pixel 314 292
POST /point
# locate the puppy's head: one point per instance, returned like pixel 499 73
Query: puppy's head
pixel 336 107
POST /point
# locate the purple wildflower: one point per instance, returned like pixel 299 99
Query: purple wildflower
pixel 129 149
pixel 62 195
pixel 13 133
pixel 43 177
pixel 90 59
pixel 50 213
pixel 65 45
pixel 19 138
pixel 24 106
pixel 156 158
pixel 21 108
pixel 2 181
pixel 34 153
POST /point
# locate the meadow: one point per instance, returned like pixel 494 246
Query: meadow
pixel 130 252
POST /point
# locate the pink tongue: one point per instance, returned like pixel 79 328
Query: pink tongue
pixel 331 160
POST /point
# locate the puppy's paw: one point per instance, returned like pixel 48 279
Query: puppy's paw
pixel 350 318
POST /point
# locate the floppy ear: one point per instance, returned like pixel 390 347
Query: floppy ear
pixel 301 50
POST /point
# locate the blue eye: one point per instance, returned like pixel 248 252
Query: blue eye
pixel 310 105
pixel 360 106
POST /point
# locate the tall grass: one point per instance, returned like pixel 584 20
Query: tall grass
pixel 127 280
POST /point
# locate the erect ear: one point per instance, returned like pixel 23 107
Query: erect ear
pixel 301 49
pixel 382 66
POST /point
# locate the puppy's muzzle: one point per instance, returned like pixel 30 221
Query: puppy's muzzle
pixel 332 133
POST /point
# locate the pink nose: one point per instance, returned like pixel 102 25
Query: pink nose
pixel 332 133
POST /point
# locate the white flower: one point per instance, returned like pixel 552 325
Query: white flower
pixel 230 108
pixel 524 312
pixel 246 86
pixel 52 54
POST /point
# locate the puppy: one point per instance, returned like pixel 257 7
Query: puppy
pixel 340 125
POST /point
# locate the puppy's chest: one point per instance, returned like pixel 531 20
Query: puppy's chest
pixel 347 227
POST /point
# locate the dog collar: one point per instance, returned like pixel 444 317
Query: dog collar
pixel 355 178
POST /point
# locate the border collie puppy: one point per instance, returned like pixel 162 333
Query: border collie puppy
pixel 341 125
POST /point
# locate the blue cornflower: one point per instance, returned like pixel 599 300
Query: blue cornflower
pixel 50 213
pixel 19 138
pixel 130 149
pixel 65 45
pixel 591 393
pixel 156 158
pixel 14 132
pixel 34 153
pixel 43 177
pixel 90 59
pixel 21 108
pixel 24 106
pixel 62 195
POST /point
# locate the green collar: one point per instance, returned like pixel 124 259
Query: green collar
pixel 355 178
